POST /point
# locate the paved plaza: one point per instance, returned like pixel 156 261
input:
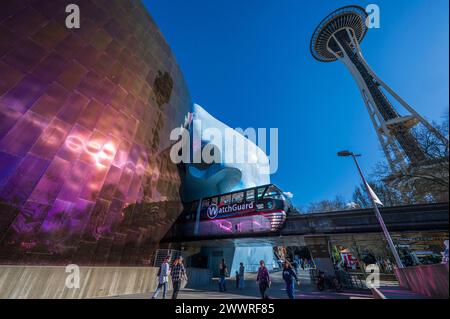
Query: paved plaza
pixel 276 291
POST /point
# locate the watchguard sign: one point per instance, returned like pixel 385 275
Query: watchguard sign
pixel 213 210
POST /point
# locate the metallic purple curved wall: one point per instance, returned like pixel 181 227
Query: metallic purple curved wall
pixel 85 116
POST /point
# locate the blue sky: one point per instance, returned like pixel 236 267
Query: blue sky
pixel 248 63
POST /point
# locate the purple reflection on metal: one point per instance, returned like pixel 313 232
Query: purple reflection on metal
pixel 224 225
pixel 263 222
pixel 85 172
pixel 249 225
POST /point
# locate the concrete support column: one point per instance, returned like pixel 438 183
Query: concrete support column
pixel 319 248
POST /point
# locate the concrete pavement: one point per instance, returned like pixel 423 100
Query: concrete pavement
pixel 276 291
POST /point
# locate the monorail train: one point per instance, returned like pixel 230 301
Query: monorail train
pixel 255 210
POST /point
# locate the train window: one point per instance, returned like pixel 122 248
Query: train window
pixel 261 191
pixel 214 200
pixel 250 195
pixel 226 199
pixel 238 197
pixel 205 203
pixel 273 192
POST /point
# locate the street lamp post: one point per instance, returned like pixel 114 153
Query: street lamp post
pixel 375 208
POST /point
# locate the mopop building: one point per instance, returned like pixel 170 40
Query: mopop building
pixel 237 162
pixel 85 119
pixel 86 174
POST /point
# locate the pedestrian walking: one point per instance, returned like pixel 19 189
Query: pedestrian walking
pixel 263 279
pixel 290 278
pixel 163 278
pixel 241 276
pixel 178 275
pixel 223 273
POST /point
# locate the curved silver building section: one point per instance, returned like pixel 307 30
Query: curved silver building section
pixel 239 162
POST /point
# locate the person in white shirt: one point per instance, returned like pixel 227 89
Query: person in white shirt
pixel 163 278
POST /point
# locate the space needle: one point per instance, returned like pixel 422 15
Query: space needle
pixel 338 38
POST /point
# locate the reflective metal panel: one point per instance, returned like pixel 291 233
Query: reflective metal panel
pixel 85 116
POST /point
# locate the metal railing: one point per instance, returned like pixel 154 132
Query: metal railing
pixel 161 254
pixel 348 280
pixel 351 281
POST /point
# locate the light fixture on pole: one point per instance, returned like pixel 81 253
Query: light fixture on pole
pixel 374 199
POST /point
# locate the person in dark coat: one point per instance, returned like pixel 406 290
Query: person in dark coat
pixel 290 278
pixel 263 280
pixel 223 273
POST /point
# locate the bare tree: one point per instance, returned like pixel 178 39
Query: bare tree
pixel 388 195
pixel 338 203
pixel 424 183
